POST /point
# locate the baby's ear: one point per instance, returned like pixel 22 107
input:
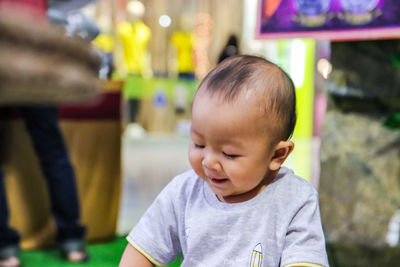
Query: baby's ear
pixel 282 151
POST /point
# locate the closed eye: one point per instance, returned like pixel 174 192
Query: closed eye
pixel 230 156
pixel 198 146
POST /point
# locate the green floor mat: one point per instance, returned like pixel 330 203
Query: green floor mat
pixel 101 255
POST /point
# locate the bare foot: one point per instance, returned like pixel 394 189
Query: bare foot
pixel 10 262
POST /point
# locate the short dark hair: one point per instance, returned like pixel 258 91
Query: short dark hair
pixel 236 74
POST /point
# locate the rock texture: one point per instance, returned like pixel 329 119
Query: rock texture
pixel 360 155
pixel 360 177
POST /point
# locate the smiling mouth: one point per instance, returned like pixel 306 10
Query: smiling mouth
pixel 218 181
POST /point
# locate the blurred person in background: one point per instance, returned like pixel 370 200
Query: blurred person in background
pixel 231 48
pixel 42 124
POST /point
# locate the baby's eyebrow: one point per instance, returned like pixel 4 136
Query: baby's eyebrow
pixel 229 141
pixel 194 131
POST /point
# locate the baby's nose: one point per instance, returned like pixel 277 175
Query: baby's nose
pixel 211 162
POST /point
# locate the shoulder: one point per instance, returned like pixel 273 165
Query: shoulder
pixel 288 180
pixel 293 187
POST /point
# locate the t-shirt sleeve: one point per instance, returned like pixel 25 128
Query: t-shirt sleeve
pixel 156 234
pixel 305 240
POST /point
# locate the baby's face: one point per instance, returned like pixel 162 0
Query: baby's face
pixel 230 148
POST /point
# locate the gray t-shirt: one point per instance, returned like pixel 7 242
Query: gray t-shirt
pixel 280 226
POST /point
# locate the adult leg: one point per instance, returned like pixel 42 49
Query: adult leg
pixel 9 238
pixel 42 125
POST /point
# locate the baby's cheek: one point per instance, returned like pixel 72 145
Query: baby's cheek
pixel 191 156
pixel 195 160
pixel 199 171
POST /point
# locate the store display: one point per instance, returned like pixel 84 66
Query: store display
pixel 162 102
pixel 359 12
pixel 312 13
pixel 329 19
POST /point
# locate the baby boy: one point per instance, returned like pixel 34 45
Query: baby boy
pixel 237 206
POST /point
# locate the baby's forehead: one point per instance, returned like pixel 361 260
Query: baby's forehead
pixel 262 85
pixel 258 93
pixel 257 103
pixel 244 109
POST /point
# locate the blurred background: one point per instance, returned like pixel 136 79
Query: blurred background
pixel 132 139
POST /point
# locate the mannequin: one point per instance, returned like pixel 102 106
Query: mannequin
pixel 134 37
pixel 182 43
pixel 132 56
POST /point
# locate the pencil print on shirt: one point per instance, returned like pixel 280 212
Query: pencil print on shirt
pixel 256 256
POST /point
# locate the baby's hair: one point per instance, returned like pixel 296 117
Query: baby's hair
pixel 239 73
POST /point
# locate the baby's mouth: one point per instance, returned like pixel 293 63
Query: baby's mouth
pixel 218 180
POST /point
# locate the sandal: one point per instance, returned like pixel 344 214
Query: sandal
pixel 9 256
pixel 73 250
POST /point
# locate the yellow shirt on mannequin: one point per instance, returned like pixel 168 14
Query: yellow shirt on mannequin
pixel 183 42
pixel 134 39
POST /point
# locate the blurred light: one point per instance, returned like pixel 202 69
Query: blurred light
pixel 392 237
pixel 324 67
pixel 164 21
pixel 136 8
pixel 297 62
